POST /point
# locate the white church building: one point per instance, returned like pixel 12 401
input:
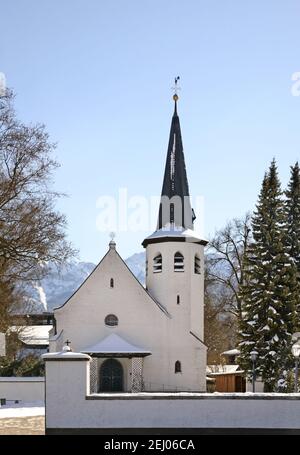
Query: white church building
pixel 145 338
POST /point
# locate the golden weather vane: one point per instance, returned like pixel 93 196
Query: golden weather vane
pixel 176 88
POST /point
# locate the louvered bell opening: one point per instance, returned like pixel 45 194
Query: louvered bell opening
pixel 157 264
pixel 178 262
pixel 197 268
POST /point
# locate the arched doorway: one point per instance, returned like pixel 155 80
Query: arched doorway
pixel 111 376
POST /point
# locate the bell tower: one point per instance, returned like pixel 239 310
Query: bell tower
pixel 175 252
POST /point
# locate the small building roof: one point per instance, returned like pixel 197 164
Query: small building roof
pixel 231 352
pixel 222 369
pixel 114 345
pixel 33 335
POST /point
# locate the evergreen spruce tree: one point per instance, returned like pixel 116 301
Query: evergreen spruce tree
pixel 253 290
pixel 269 295
pixel 292 205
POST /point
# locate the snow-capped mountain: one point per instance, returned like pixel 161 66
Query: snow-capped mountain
pixel 136 263
pixel 58 285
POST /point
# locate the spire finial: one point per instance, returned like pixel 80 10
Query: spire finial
pixel 175 89
pixel 112 243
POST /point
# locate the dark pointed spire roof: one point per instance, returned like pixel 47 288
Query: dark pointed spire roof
pixel 176 216
pixel 175 178
pixel 175 183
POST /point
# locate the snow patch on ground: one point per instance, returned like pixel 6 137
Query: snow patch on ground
pixel 22 409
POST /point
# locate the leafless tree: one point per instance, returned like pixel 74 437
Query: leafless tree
pixel 225 259
pixel 32 232
pixel 219 324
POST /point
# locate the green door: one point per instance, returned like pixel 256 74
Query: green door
pixel 111 376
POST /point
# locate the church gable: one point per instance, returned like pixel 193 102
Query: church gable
pixel 110 280
pixel 111 300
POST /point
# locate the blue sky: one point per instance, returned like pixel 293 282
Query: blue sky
pixel 99 75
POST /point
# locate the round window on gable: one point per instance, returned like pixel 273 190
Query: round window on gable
pixel 111 320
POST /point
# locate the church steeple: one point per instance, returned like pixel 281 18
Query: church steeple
pixel 175 207
pixel 176 216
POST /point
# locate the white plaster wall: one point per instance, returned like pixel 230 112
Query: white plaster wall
pixel 67 406
pixel 259 386
pixel 141 322
pixel 23 389
pixel 177 413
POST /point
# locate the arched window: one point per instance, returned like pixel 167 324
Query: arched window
pixel 178 262
pixel 197 264
pixel 111 320
pixel 157 263
pixel 178 299
pixel 111 282
pixel 177 366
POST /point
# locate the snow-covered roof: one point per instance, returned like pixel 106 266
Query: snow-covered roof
pixel 231 352
pixel 222 369
pixel 65 354
pixel 114 344
pixel 33 334
pixel 187 235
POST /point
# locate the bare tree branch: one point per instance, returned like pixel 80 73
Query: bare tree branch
pixel 225 255
pixel 32 231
